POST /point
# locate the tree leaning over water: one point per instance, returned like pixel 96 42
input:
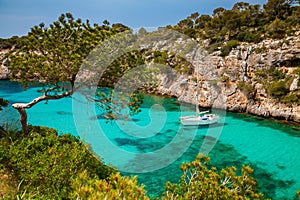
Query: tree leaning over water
pixel 52 57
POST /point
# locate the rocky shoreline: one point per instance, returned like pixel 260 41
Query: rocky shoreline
pixel 220 78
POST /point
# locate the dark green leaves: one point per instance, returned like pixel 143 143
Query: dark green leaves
pixel 45 164
pixel 3 102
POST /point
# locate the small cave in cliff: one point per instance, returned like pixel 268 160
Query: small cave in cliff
pixel 295 62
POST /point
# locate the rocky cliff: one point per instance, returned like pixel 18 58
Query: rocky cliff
pixel 4 72
pixel 236 79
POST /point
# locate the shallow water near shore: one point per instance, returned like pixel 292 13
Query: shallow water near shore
pixel 271 148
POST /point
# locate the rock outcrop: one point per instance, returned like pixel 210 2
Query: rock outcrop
pixel 4 71
pixel 220 78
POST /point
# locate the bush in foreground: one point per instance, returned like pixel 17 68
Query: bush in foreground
pixel 45 165
pixel 201 182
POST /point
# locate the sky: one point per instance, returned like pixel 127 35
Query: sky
pixel 18 16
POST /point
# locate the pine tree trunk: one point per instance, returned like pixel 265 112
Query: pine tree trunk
pixel 23 120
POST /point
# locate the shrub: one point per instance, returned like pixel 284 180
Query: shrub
pixel 261 74
pixel 116 187
pixel 248 37
pixel 277 74
pixel 225 50
pixel 199 181
pixel 277 29
pixel 291 98
pixel 45 163
pixel 248 89
pixel 277 88
pixel 213 47
pixel 262 49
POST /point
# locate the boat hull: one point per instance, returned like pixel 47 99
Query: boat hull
pixel 198 120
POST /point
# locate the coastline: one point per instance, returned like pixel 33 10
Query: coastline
pixel 221 78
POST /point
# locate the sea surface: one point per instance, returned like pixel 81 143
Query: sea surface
pixel 153 144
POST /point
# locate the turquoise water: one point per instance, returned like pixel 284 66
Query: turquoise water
pixel 153 144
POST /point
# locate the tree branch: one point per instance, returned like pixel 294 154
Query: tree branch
pixel 45 97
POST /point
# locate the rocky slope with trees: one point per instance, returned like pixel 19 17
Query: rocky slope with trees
pixel 261 79
pixel 253 61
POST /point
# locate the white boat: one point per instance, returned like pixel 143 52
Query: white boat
pixel 196 120
pixel 200 118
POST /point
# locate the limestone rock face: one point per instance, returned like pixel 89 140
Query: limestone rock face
pixel 295 84
pixel 219 78
pixel 4 71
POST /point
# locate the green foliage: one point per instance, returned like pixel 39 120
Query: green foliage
pixel 277 84
pixel 3 103
pixel 116 187
pixel 248 37
pixel 114 103
pixel 244 22
pixel 262 49
pixel 277 29
pixel 55 54
pixel 45 164
pixel 277 74
pixel 13 42
pixel 225 50
pixel 199 181
pixel 277 9
pixel 266 76
pixel 119 67
pixel 297 71
pixel 248 89
pixel 277 88
pixel 178 63
pixel 191 32
pixel 214 47
pixel 291 98
pixel 160 57
pixel 224 78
